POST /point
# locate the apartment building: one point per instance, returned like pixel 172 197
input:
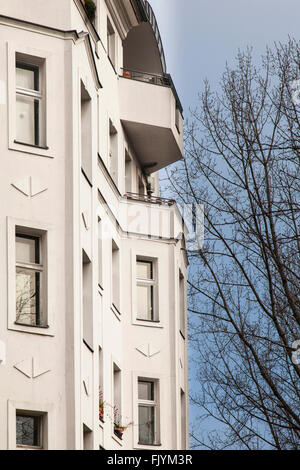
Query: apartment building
pixel 93 264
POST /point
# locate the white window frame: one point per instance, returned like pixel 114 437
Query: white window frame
pixel 161 412
pixel 45 231
pixel 28 63
pixel 45 59
pixel 36 268
pixel 151 404
pixel 41 426
pixel 115 364
pixel 151 282
pixel 45 410
pixel 182 304
pixel 111 43
pixel 161 303
pixel 116 285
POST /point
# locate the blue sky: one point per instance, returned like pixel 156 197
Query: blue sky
pixel 200 36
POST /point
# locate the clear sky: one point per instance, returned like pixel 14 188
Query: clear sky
pixel 199 36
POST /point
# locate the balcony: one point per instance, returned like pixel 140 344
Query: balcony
pixel 154 217
pixel 161 201
pixel 151 114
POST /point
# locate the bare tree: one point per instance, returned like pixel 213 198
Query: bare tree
pixel 242 162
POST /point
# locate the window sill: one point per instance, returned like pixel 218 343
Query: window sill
pixel 147 323
pixel 101 424
pixel 88 346
pixel 30 149
pixel 146 446
pixel 31 329
pixel 116 311
pixel 182 334
pixel 86 178
pixel 31 145
pixel 21 447
pixel 117 439
pixel 111 63
pixel 31 326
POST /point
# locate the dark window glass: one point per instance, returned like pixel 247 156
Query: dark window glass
pixel 28 430
pixel 146 391
pixel 29 275
pixel 146 425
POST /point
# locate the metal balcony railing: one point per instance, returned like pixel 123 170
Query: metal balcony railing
pixel 150 199
pixel 154 79
pixel 146 77
pixel 152 20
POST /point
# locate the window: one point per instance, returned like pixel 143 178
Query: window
pixel 117 395
pixel 28 430
pixel 183 419
pixel 87 438
pixel 115 275
pixel 128 172
pixel 113 152
pixel 145 290
pixel 101 392
pixel 141 186
pixel 148 410
pixel 111 43
pixel 182 303
pixel 100 280
pixel 87 299
pixel 30 308
pixel 30 101
pixel 86 132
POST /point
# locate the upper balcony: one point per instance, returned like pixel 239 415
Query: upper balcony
pixel 151 114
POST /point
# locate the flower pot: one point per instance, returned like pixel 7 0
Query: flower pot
pixel 118 432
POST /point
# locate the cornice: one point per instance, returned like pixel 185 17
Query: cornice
pixel 57 33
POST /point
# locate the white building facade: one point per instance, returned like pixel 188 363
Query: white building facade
pixel 93 273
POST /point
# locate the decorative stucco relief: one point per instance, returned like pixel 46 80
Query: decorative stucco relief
pixel 31 367
pixel 29 186
pixel 148 350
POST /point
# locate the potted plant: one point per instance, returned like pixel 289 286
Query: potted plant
pixel 90 8
pixel 119 431
pixel 101 406
pixel 118 427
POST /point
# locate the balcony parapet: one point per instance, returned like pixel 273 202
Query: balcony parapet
pixel 161 201
pixel 151 117
pixel 153 79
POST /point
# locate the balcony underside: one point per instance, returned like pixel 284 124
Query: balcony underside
pixel 155 146
pixel 148 114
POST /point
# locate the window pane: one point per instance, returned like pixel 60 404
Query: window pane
pixel 144 270
pixel 146 390
pixel 25 250
pixel 27 118
pixel 28 430
pixel 28 296
pixel 26 78
pixel 146 425
pixel 144 302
